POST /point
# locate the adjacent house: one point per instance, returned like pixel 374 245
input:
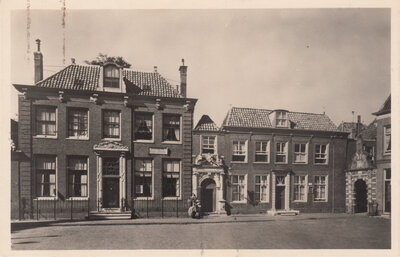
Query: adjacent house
pixel 275 161
pixel 99 139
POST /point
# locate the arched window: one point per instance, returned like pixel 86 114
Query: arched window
pixel 111 76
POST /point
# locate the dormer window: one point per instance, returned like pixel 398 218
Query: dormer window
pixel 281 119
pixel 111 76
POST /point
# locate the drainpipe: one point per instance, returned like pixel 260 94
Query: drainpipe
pixel 333 175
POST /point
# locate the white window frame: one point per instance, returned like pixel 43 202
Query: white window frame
pixel 35 128
pixel 180 129
pixel 120 125
pixel 180 180
pixel 152 128
pixel 300 153
pixel 88 124
pixel 298 185
pixel 326 153
pixel 237 151
pixel 257 152
pixel 152 180
pixel 385 135
pixel 281 116
pixel 267 185
pixel 87 179
pixel 215 143
pixel 285 153
pixel 326 189
pixel 244 188
pixel 56 178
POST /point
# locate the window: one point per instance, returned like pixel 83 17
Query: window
pixel 208 145
pixel 387 203
pixel 110 166
pixel 171 178
pixel 238 188
pixel 281 119
pixel 261 192
pixel 321 154
pixel 262 151
pixel 111 76
pixel 143 126
pixel 239 151
pixel 78 123
pixel 281 152
pixel 111 124
pixel 387 139
pixel 300 185
pixel 45 176
pixel 143 177
pixel 320 188
pixel 46 121
pixel 300 152
pixel 171 128
pixel 77 177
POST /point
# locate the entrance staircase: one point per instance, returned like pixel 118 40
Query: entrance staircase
pixel 104 215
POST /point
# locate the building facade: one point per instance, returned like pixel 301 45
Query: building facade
pixel 272 161
pixel 102 138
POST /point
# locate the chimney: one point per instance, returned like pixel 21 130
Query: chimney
pixel 73 61
pixel 358 124
pixel 38 60
pixel 155 69
pixel 183 71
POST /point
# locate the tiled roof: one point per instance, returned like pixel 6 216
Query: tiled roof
pixel 206 124
pixel 349 126
pixel 386 107
pixel 110 146
pixel 259 118
pixel 86 77
pixel 370 131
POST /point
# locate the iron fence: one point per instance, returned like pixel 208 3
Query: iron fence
pixel 59 209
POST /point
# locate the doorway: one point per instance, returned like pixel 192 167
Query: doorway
pixel 280 197
pixel 360 189
pixel 207 196
pixel 110 192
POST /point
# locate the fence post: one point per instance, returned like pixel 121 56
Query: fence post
pixel 162 208
pixel 72 206
pixel 37 209
pixel 88 207
pixel 147 207
pixel 55 209
pixel 177 207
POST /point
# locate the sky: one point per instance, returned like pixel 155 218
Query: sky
pixel 306 60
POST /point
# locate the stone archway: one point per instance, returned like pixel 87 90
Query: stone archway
pixel 208 195
pixel 361 198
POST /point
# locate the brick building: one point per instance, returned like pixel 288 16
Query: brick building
pixel 97 137
pixel 273 161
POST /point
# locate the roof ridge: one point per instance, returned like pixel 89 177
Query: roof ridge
pixel 250 108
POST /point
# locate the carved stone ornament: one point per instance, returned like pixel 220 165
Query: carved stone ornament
pixel 126 100
pixel 188 106
pixel 61 96
pixel 94 98
pixel 158 104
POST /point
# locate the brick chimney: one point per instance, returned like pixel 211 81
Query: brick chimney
pixel 38 59
pixel 358 128
pixel 183 72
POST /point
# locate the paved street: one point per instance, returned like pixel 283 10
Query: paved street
pixel 307 231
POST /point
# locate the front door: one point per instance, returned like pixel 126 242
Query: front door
pixel 360 188
pixel 280 197
pixel 110 192
pixel 207 198
pixel 387 190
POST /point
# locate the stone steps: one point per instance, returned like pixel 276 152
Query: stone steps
pixel 109 215
pixel 284 212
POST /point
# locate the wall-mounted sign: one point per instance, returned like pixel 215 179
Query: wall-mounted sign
pixel 161 151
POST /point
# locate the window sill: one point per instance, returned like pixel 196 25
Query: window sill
pixel 300 201
pixel 171 198
pixel 321 164
pixel 320 201
pixel 239 202
pixel 78 138
pixel 45 198
pixel 387 154
pixel 261 162
pixel 144 198
pixel 144 141
pixel 111 139
pixel 263 201
pixel 281 163
pixel 77 198
pixel 238 162
pixel 172 142
pixel 45 137
pixel 301 163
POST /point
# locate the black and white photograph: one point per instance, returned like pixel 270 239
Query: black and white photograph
pixel 237 128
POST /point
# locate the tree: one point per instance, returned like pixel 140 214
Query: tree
pixel 103 58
